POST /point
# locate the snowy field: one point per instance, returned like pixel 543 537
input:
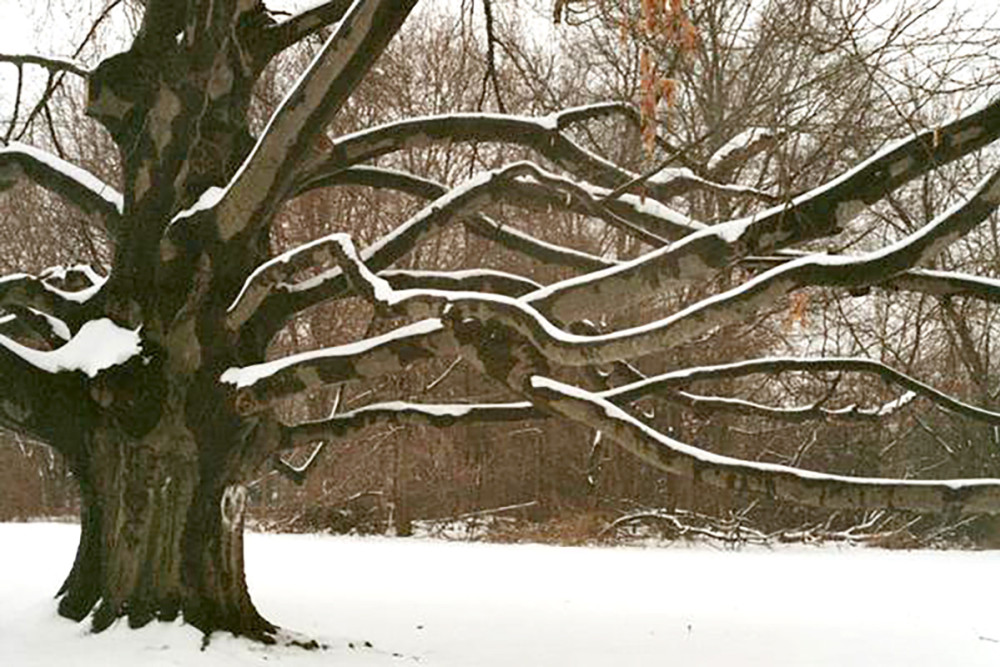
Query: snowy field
pixel 380 601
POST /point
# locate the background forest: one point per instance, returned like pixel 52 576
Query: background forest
pixel 769 100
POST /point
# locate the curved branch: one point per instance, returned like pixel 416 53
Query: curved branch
pixel 484 227
pixel 774 365
pixel 57 292
pixel 270 304
pixel 541 134
pixel 772 480
pixel 811 270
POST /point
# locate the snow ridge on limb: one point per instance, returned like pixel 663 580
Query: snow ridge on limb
pixel 847 271
pixel 772 480
pixel 267 175
pixel 820 212
pixel 259 385
pixel 771 365
pixel 74 184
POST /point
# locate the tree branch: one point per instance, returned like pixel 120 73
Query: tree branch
pixel 74 184
pixel 267 176
pixel 308 22
pixel 52 63
pixel 260 385
pixel 72 303
pixel 771 480
pixel 404 414
pixel 271 303
pixel 815 214
pixel 774 365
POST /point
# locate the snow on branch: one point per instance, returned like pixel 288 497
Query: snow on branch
pixel 541 134
pixel 268 174
pixel 272 301
pixel 771 480
pixel 98 345
pixel 482 226
pixel 61 293
pixel 259 385
pixel 401 413
pixel 51 63
pixel 818 213
pixel 76 185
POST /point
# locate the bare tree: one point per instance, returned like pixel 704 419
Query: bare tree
pixel 155 382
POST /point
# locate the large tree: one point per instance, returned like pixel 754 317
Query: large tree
pixel 155 382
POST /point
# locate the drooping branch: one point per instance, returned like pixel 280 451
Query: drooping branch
pixel 74 184
pixel 267 176
pixel 774 365
pixel 815 214
pixel 771 480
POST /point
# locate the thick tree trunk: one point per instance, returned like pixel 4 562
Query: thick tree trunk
pixel 161 536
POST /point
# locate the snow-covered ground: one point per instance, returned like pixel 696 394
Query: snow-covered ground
pixel 425 602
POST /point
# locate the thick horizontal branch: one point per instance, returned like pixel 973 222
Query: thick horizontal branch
pixel 541 134
pixel 51 63
pixel 818 213
pixel 407 414
pixel 260 385
pixel 471 280
pixel 924 281
pixel 775 481
pixel 70 182
pixel 812 270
